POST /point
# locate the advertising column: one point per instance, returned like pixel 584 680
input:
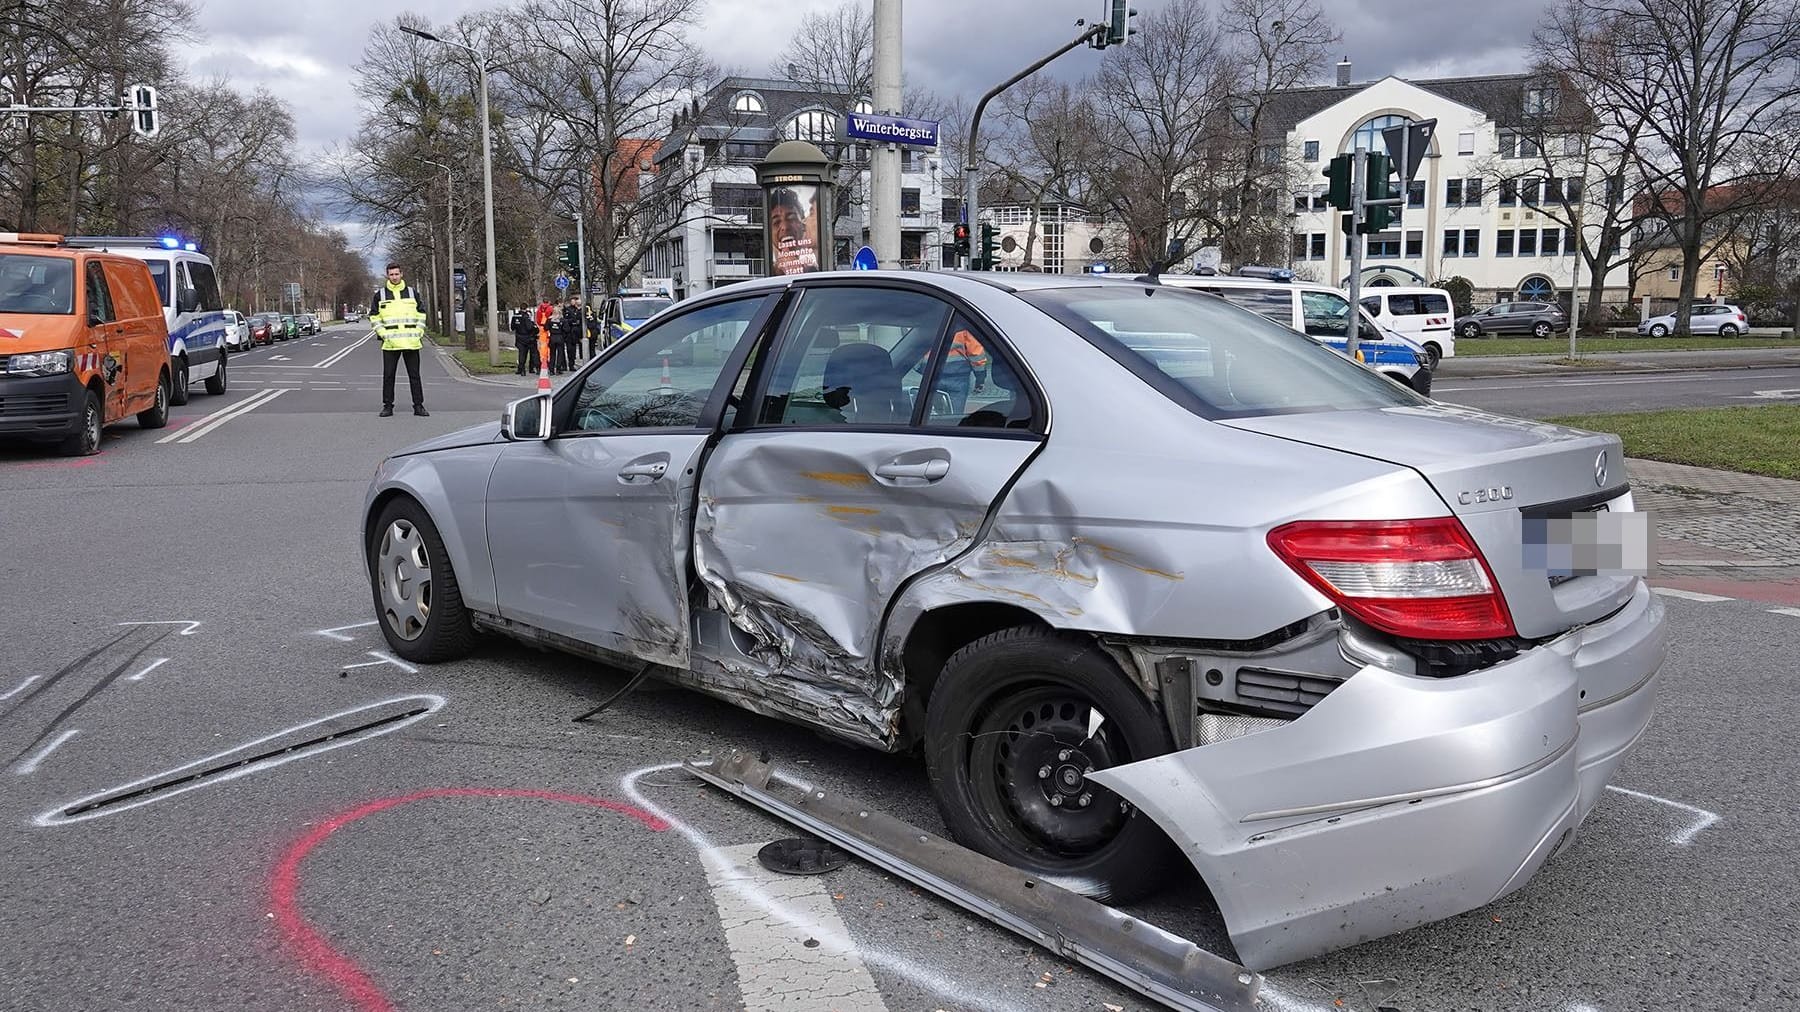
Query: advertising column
pixel 796 179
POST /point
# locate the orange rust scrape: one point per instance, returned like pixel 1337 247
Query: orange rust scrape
pixel 851 511
pixel 1119 556
pixel 848 479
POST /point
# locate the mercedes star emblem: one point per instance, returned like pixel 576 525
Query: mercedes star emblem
pixel 1600 470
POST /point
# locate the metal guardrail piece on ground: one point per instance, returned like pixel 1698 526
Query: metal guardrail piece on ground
pixel 1155 963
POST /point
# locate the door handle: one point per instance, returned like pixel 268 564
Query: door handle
pixel 923 470
pixel 652 470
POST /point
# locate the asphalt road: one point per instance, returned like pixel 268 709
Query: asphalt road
pixel 483 851
pixel 1574 393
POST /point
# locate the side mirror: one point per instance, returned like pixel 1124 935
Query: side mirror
pixel 187 301
pixel 527 418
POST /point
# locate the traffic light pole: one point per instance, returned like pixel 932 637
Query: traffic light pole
pixel 1359 181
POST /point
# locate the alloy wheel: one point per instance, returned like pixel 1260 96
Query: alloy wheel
pixel 404 570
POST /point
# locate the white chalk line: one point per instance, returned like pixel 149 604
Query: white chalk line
pixel 921 975
pixel 30 763
pixel 335 631
pixel 21 687
pixel 189 623
pixel 53 817
pixel 383 658
pixel 159 662
pixel 1702 817
pixel 1794 612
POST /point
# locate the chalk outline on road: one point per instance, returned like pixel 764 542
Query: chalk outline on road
pixel 54 816
pixel 21 687
pixel 191 624
pixel 1682 838
pixel 211 422
pixel 383 658
pixel 30 764
pixel 332 633
pixel 159 662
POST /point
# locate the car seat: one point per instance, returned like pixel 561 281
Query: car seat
pixel 860 381
pixel 1014 413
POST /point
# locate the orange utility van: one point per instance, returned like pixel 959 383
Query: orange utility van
pixel 83 343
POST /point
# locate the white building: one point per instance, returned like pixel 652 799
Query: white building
pixel 1486 203
pixel 737 123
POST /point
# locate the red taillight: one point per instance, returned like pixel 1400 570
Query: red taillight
pixel 1422 579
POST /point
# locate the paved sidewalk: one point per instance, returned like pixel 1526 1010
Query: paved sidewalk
pixel 1719 520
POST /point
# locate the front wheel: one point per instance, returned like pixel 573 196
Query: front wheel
pixel 1728 330
pixel 85 440
pixel 1540 329
pixel 1659 330
pixel 178 394
pixel 417 599
pixel 157 414
pixel 215 384
pixel 1008 748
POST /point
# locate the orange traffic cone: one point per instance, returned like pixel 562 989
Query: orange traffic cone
pixel 543 359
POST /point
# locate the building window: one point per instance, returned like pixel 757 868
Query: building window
pixel 748 102
pixel 1271 154
pixel 1674 274
pixel 1319 203
pixel 1415 193
pixel 1452 242
pixel 909 204
pixel 1549 242
pixel 1302 201
pixel 1540 101
pixel 1509 192
pixel 1309 151
pixel 1527 242
pixel 1615 190
pixel 1572 145
pixel 1528 192
pixel 1369 134
pixel 951 208
pixel 813 125
pixel 1471 243
pixel 1318 246
pixel 1503 243
pixel 1573 189
pixel 1299 245
pixel 1415 244
pixel 1509 144
pixel 1569 245
pixel 1453 192
pixel 1553 190
pixel 1385 246
pixel 1472 191
pixel 1528 148
pixel 1465 142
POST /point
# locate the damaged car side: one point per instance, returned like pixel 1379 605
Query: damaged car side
pixel 1143 575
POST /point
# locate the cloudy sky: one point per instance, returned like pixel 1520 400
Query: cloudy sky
pixel 304 51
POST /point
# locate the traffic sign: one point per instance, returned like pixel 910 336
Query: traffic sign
pixel 865 260
pixel 562 282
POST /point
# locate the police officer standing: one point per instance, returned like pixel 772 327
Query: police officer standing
pixel 525 340
pixel 398 320
pixel 572 327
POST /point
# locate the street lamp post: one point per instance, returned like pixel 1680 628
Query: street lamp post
pixel 487 184
pixel 449 247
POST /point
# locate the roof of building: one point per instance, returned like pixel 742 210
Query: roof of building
pixel 1500 97
pixel 712 116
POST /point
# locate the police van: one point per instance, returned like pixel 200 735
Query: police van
pixel 1321 313
pixel 192 305
pixel 1422 315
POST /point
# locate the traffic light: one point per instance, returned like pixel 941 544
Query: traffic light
pixel 1118 24
pixel 1338 193
pixel 990 245
pixel 1377 217
pixel 566 255
pixel 141 100
pixel 959 242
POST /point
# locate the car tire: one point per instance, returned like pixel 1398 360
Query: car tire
pixel 1016 703
pixel 1658 330
pixel 426 622
pixel 1433 355
pixel 1728 330
pixel 156 416
pixel 85 441
pixel 1471 331
pixel 1540 329
pixel 217 383
pixel 178 389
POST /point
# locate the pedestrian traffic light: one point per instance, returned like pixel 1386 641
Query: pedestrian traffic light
pixel 1377 217
pixel 1118 23
pixel 959 241
pixel 566 255
pixel 989 245
pixel 1338 193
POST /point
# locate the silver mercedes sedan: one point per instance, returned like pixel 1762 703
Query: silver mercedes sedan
pixel 1143 575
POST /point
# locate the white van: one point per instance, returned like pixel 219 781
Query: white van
pixel 1425 315
pixel 1321 313
pixel 192 306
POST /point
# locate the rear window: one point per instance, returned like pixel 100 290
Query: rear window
pixel 643 309
pixel 35 284
pixel 1432 305
pixel 1215 359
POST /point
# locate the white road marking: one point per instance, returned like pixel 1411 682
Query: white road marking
pixel 1690 595
pixel 189 631
pixel 159 662
pixel 962 993
pixel 278 358
pixel 213 421
pixel 21 687
pixel 1773 611
pixel 334 631
pixel 1702 817
pixel 383 658
pixel 30 763
pixel 775 968
pixel 1768 395
pixel 338 356
pixel 53 817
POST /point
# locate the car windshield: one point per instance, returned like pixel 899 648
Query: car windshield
pixel 643 309
pixel 1215 359
pixel 34 284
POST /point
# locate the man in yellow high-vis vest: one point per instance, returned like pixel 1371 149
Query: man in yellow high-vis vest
pixel 400 324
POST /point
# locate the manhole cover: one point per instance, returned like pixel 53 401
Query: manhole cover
pixel 801 857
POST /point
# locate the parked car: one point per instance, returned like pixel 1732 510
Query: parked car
pixel 1423 315
pixel 352 316
pixel 1159 570
pixel 309 324
pixel 1703 318
pixel 290 326
pixel 83 344
pixel 1539 319
pixel 263 327
pixel 237 331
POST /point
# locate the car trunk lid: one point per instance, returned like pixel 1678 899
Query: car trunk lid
pixel 1502 477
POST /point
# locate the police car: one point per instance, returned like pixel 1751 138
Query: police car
pixel 1321 313
pixel 192 306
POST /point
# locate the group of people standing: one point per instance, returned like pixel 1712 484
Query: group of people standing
pixel 568 325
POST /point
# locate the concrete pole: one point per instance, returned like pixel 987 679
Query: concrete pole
pixel 884 165
pixel 487 186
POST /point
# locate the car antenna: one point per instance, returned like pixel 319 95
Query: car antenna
pixel 1156 266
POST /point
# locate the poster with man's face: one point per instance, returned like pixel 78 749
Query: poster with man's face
pixel 793 229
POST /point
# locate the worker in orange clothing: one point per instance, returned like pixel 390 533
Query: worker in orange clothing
pixel 966 361
pixel 545 313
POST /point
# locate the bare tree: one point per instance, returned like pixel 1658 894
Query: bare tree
pixel 1050 130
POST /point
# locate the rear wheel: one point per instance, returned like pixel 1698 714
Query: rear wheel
pixel 1008 749
pixel 215 384
pixel 417 599
pixel 1471 330
pixel 1433 355
pixel 178 393
pixel 85 440
pixel 157 414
